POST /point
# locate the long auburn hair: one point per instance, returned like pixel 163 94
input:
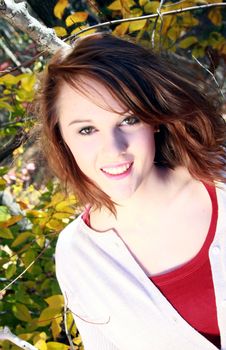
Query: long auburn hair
pixel 191 133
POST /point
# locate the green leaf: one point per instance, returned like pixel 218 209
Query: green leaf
pixel 21 238
pixel 21 312
pixel 151 7
pixel 187 42
pixel 6 233
pixel 10 271
pixel 4 213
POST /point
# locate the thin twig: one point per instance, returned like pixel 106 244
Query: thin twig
pixel 155 24
pixel 132 19
pixel 212 75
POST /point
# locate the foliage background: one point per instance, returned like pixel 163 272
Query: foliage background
pixel 33 207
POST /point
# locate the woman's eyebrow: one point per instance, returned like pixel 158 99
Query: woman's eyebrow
pixel 80 121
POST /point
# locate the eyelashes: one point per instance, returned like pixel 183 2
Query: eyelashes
pixel 128 121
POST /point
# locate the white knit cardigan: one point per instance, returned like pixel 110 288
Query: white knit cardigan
pixel 115 304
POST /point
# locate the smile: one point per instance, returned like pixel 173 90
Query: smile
pixel 118 171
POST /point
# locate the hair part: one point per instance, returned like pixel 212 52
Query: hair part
pixel 192 131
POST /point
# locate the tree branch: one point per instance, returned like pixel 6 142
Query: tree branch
pixel 154 15
pixel 6 334
pixel 18 16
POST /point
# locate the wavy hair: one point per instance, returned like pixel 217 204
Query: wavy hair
pixel 192 131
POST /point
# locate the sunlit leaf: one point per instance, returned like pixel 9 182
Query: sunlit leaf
pixel 60 31
pixel 142 2
pixel 121 29
pixel 151 7
pixel 47 315
pixel 115 5
pixel 27 82
pixel 55 301
pixel 54 224
pixel 13 220
pixel 21 238
pixel 78 29
pixel 4 213
pixel 21 312
pixel 215 16
pixel 137 25
pixel 40 344
pixel 6 233
pixel 56 327
pixel 76 18
pixel 10 271
pixel 57 346
pixel 187 42
pixel 59 8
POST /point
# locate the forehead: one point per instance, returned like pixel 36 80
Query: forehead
pixel 88 93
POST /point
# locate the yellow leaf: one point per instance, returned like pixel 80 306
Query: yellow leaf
pixel 151 7
pixel 52 345
pixel 115 6
pixel 55 327
pixel 76 17
pixel 187 42
pixel 47 315
pixel 60 7
pixel 167 23
pixel 26 336
pixel 39 336
pixel 21 238
pixel 142 2
pixel 40 344
pixel 21 312
pixel 37 213
pixel 215 16
pixel 9 79
pixel 60 31
pixel 54 224
pixel 57 197
pixel 6 233
pixel 174 33
pixel 78 29
pixel 188 20
pixel 55 301
pixel 62 215
pixel 40 240
pixel 64 204
pixel 28 82
pixel 198 52
pixel 121 29
pixel 137 25
pixel 13 220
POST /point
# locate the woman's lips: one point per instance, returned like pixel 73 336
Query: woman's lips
pixel 117 172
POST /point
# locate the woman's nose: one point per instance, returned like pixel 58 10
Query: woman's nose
pixel 115 143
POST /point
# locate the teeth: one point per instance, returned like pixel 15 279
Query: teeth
pixel 116 171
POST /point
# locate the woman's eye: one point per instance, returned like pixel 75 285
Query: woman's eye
pixel 130 120
pixel 87 130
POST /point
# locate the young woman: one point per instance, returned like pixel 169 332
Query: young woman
pixel 144 266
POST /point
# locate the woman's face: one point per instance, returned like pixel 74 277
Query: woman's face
pixel 115 151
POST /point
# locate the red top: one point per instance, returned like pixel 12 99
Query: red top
pixel 189 288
